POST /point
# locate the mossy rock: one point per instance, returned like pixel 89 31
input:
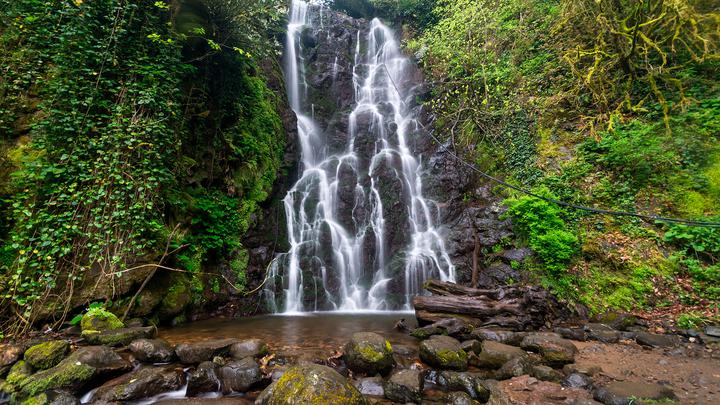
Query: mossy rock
pixel 99 319
pixel 48 354
pixel 176 300
pixel 369 353
pixel 443 352
pixel 311 384
pixel 18 373
pixel 119 337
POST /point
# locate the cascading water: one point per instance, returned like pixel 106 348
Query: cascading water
pixel 337 213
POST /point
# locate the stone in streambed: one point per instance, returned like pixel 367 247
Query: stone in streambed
pixel 311 384
pixel 193 353
pixel 404 386
pixel 554 349
pixel 369 353
pixel 118 337
pixel 625 392
pixel 240 375
pixel 371 386
pixel 76 371
pixel 653 340
pixel 203 379
pixel 572 333
pixel 52 397
pixel 471 346
pixel 469 383
pixel 590 370
pixel 100 320
pixel 602 333
pixel 514 368
pixel 152 350
pixel 498 335
pixel 48 354
pixel 248 348
pixel 460 398
pixel 143 383
pixel 545 373
pixel 443 352
pixel 577 380
pixel 494 354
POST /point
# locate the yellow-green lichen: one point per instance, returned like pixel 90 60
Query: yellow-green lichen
pixel 100 319
pixel 48 354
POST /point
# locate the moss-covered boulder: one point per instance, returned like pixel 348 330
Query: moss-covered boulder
pixel 72 373
pixel 119 337
pixel 554 350
pixel 178 297
pixel 369 353
pixel 443 352
pixel 494 354
pixel 311 384
pixel 48 354
pixel 52 397
pixel 100 319
pixel 18 373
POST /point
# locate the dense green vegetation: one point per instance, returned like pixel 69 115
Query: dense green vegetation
pixel 129 128
pixel 612 104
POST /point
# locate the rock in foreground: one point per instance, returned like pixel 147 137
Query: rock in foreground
pixel 369 353
pixel 311 384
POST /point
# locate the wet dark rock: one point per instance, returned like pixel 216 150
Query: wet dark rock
pixel 118 337
pixel 425 332
pixel 404 386
pixel 240 375
pixel 369 353
pixel 203 379
pixel 152 350
pixel 617 320
pixel 602 333
pixel 53 397
pixel 514 255
pixel 75 371
pixel 310 384
pixel 545 373
pixel 653 340
pixel 712 330
pixel 469 383
pixel 142 383
pixel 554 350
pixel 371 386
pixel 460 398
pixel 249 348
pixel 514 368
pixel 577 380
pixel 626 392
pixel 497 274
pixel 449 326
pixel 193 353
pixel 572 333
pixel 47 354
pixel 206 401
pixel 503 336
pixel 443 352
pixel 494 355
pixel 474 346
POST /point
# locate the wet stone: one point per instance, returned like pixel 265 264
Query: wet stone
pixel 311 384
pixel 143 383
pixel 602 333
pixel 554 349
pixel 152 350
pixel 203 379
pixel 590 370
pixel 459 398
pixel 577 380
pixel 240 375
pixel 193 353
pixel 369 353
pixel 404 386
pixel 371 386
pixel 545 373
pixel 503 336
pixel 514 368
pixel 572 333
pixel 654 340
pixel 469 383
pixel 248 348
pixel 495 355
pixel 474 346
pixel 443 352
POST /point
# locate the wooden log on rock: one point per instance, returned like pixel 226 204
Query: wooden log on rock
pixel 516 308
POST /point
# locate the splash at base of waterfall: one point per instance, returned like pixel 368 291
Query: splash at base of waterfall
pixel 344 253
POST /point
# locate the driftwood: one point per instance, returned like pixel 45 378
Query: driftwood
pixel 517 308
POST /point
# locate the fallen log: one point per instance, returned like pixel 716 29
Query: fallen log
pixel 516 308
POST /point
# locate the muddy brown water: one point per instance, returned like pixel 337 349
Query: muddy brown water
pixel 320 332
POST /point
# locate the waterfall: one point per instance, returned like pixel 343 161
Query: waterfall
pixel 339 211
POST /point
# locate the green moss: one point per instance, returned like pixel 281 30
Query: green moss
pixel 41 399
pixel 47 354
pixel 66 374
pixel 451 358
pixel 369 354
pixel 18 373
pixel 100 319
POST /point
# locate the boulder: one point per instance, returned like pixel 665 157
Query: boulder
pixel 369 353
pixel 443 352
pixel 454 327
pixel 206 401
pixel 529 390
pixel 100 319
pixel 404 386
pixel 545 373
pixel 503 336
pixel 626 392
pixel 248 348
pixel 118 337
pixel 311 384
pixel 554 349
pixel 142 383
pixel 152 350
pixel 48 354
pixel 590 370
pixel 240 375
pixel 572 333
pixel 193 353
pixel 471 346
pixel 514 368
pixel 75 371
pixel 653 340
pixel 203 379
pixel 577 380
pixel 371 386
pixel 53 397
pixel 494 354
pixel 602 333
pixel 465 382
